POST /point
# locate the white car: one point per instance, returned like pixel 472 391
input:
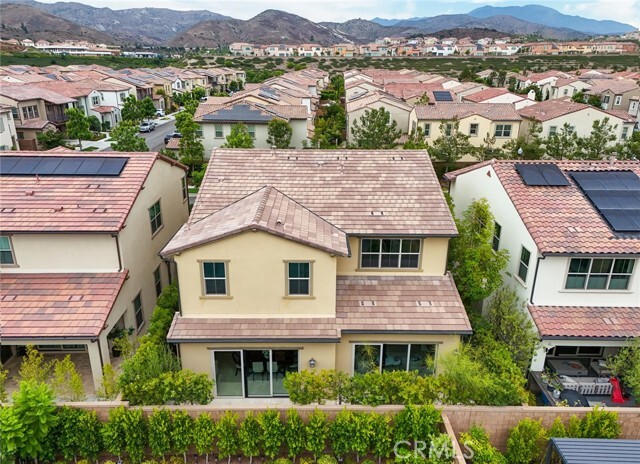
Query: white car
pixel 159 113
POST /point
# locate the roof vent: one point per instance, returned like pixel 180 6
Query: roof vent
pixel 7 210
pixel 29 193
pixel 93 186
pixel 377 213
pixel 99 210
pixel 8 297
pixel 279 222
pixel 424 303
pixel 75 298
pixel 367 303
pixel 397 158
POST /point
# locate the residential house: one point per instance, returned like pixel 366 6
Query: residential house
pixel 573 254
pixel 374 49
pixel 478 120
pixel 217 120
pixel 309 50
pixel 502 49
pixel 79 240
pixel 616 94
pixel 347 50
pixel 8 135
pixel 500 95
pixel 553 114
pixel 568 87
pixel 443 50
pixel 358 106
pixel 241 48
pixel 34 110
pixel 293 260
pixel 280 50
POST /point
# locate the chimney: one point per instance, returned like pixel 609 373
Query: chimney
pixel 531 95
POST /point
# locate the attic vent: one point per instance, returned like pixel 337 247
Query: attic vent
pixel 377 213
pixel 424 303
pixel 29 193
pixel 93 186
pixel 99 210
pixel 8 297
pixel 397 158
pixel 320 163
pixel 367 303
pixel 58 209
pixel 7 210
pixel 279 222
pixel 293 158
pixel 75 297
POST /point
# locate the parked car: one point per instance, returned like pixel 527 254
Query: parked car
pixel 172 135
pixel 159 113
pixel 147 127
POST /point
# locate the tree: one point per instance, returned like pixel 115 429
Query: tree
pixel 562 144
pixel 630 148
pixel 181 433
pixel 67 382
pixel 239 137
pixel 423 99
pixel 50 139
pixel 416 140
pixel 34 367
pixel 271 431
pixel 77 125
pixel 226 433
pixel 476 267
pixel 509 324
pixel 452 144
pixel 294 434
pixel 526 442
pixel 147 108
pixel 329 127
pixel 131 110
pixel 376 130
pixel 190 147
pixel 488 149
pixel 249 436
pixel 125 138
pixel 595 101
pixel 204 432
pixel 529 147
pixel 598 144
pixel 279 133
pixel 316 433
pixel 578 97
pixel 626 364
pixel 160 432
pixel 94 124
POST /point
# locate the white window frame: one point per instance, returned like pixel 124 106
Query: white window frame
pixel 30 112
pixel 309 279
pixel 618 100
pixel 427 129
pixel 521 263
pixel 625 133
pixel 10 250
pixel 608 274
pixel 448 129
pixel 503 130
pixel 472 132
pixel 221 132
pixel 156 220
pixel 157 280
pixel 400 253
pixel 553 130
pixel 251 129
pixel 95 100
pixel 225 278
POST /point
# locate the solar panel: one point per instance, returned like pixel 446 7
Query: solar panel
pixel 61 165
pixel 616 196
pixel 541 175
pixel 441 95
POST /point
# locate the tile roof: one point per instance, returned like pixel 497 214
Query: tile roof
pixel 268 210
pixel 617 86
pixel 73 204
pixel 25 92
pixel 551 109
pixel 449 111
pixel 387 304
pixel 225 329
pixel 486 94
pixel 57 305
pixel 32 124
pixel 586 321
pixel 562 219
pixel 249 111
pixel 375 97
pixel 359 191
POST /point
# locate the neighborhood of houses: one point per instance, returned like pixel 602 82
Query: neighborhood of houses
pixel 294 259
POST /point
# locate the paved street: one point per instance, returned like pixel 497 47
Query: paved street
pixel 155 139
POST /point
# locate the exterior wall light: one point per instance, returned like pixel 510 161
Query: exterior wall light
pixel 312 363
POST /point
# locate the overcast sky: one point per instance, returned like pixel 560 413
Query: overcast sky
pixel 627 11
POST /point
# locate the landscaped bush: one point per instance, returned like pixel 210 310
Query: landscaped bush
pixel 527 442
pixel 477 440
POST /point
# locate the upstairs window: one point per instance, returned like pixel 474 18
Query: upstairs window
pixel 138 311
pixel 523 267
pixel 473 130
pixel 390 253
pixel 6 252
pixel 214 274
pixel 95 101
pixel 497 230
pixel 503 130
pixel 219 132
pixel 185 189
pixel 155 216
pixel 30 112
pixel 427 130
pixel 599 274
pixel 299 279
pixel 252 131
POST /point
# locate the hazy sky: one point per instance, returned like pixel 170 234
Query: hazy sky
pixel 627 11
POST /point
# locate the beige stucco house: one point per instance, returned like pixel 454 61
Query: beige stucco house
pixel 8 136
pixel 296 260
pixel 358 105
pixel 80 235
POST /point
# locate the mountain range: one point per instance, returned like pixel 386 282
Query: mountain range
pixel 161 26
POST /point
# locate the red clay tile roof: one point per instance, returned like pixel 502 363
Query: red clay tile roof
pixel 57 305
pixel 295 329
pixel 449 111
pixel 387 304
pixel 268 210
pixel 173 143
pixel 359 191
pixel 551 109
pixel 33 124
pixel 72 203
pixel 562 219
pixel 24 92
pixel 486 94
pixel 282 111
pixel 586 321
pixel 104 109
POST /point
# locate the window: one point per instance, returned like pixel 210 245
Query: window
pixel 252 131
pixel 6 252
pixel 553 130
pixel 95 101
pixel 448 129
pixel 390 253
pixel 599 274
pixel 625 133
pixel 123 96
pixel 523 267
pixel 571 129
pixel 503 130
pixel 572 351
pixel 389 357
pixel 157 281
pixel 618 100
pixel 219 131
pixel 214 274
pixel 473 130
pixel 1 126
pixel 427 130
pixel 137 309
pixel 299 279
pixel 14 112
pixel 185 189
pixel 606 99
pixel 565 92
pixel 30 112
pixel 199 131
pixel 497 230
pixel 155 216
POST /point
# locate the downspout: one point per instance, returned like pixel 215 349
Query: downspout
pixel 118 250
pixel 535 277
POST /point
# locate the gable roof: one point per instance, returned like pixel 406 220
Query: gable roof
pixel 486 94
pixel 23 92
pixel 586 321
pixel 76 203
pixel 562 220
pixel 374 97
pixel 268 210
pixel 358 191
pixel 247 111
pixel 552 109
pixel 449 111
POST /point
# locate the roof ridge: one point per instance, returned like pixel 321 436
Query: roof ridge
pixel 262 205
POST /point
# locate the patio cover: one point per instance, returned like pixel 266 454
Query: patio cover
pixel 594 451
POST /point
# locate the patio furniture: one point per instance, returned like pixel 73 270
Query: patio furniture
pixel 257 367
pixel 600 367
pixel 568 367
pixel 587 385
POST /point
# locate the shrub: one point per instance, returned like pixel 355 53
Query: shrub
pixel 135 434
pixel 3 380
pixel 94 124
pixel 283 461
pixel 341 433
pixel 316 432
pixel 33 366
pixel 160 432
pixel 441 449
pixel 600 423
pixel 477 440
pixel 249 436
pixel 327 459
pixel 626 364
pixel 181 433
pixel 294 434
pixel 204 432
pixel 66 432
pixel 526 442
pixel 108 389
pixel 113 432
pixel 89 437
pixel 185 387
pixel 381 435
pixel 226 433
pixel 416 423
pixel 67 383
pixel 272 432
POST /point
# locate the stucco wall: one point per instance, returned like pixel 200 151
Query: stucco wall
pixel 433 260
pixel 398 114
pixel 256 278
pixel 8 134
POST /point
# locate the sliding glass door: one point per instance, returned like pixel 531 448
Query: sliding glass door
pixel 228 373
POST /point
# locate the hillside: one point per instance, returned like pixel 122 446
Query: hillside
pixel 552 18
pixel 269 27
pixel 22 22
pixel 362 30
pixel 146 25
